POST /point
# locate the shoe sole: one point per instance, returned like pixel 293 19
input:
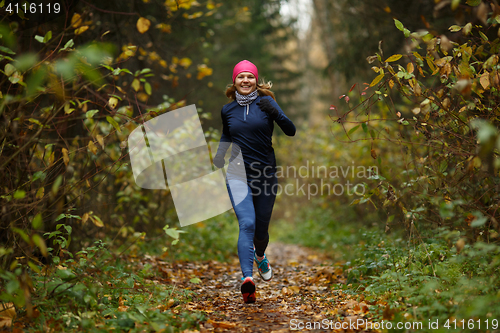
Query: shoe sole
pixel 262 277
pixel 248 292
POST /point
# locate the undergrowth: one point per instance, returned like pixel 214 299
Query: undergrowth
pixel 104 288
pixel 405 277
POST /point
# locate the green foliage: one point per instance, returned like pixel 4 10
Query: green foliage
pixel 437 109
pixel 97 291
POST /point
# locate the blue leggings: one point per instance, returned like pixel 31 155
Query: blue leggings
pixel 256 200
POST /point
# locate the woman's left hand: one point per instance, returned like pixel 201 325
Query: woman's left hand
pixel 265 105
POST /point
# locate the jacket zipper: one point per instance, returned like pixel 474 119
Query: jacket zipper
pixel 245 114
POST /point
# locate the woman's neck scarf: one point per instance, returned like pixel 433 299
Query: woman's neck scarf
pixel 246 99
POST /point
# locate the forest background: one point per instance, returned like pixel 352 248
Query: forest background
pixel 410 96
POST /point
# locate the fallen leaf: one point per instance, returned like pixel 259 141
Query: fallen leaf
pixel 7 314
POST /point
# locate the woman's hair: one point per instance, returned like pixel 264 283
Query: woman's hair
pixel 263 89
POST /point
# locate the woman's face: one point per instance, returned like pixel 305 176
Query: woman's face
pixel 245 83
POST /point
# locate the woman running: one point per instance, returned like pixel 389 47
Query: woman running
pixel 248 123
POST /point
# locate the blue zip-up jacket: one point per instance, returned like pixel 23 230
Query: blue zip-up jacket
pixel 251 130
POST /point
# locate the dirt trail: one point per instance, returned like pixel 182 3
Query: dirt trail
pixel 299 293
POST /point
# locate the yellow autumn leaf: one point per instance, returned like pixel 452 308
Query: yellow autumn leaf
pixel 68 109
pixel 142 96
pixel 40 193
pixel 203 70
pixel 185 62
pixel 92 147
pixel 51 158
pixel 81 30
pixel 76 20
pixel 7 314
pixel 143 25
pixel 377 80
pixel 485 80
pixel 97 221
pixel 167 28
pixel 100 140
pixel 410 67
pixel 394 57
pixel 65 156
pixel 113 102
pixel 85 218
pixel 136 84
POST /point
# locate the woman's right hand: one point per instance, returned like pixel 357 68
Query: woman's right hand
pixel 219 161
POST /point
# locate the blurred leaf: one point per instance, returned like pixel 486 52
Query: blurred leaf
pixel 147 88
pixel 479 220
pixel 68 109
pixel 37 222
pixel 65 156
pixel 353 129
pixel 97 221
pixel 40 243
pixel 76 20
pixel 114 123
pixel 21 233
pixel 92 147
pixel 394 57
pixel 25 61
pixel 399 25
pixel 65 274
pixel 35 81
pixel 9 69
pixel 57 184
pixel 19 194
pixel 100 139
pixel 6 50
pixel 143 25
pixel 69 44
pixel 474 3
pixel 113 102
pixel 7 314
pixel 45 39
pixel 365 127
pixel 136 84
pixel 377 80
pixel 486 131
pixel 89 114
pixel 81 30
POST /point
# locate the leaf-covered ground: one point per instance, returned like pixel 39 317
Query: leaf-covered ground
pixel 300 293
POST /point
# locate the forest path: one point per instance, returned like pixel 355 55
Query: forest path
pixel 299 294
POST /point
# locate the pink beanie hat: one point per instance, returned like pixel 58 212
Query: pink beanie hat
pixel 245 66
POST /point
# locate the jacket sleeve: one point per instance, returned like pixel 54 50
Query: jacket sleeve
pixel 283 121
pixel 225 139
